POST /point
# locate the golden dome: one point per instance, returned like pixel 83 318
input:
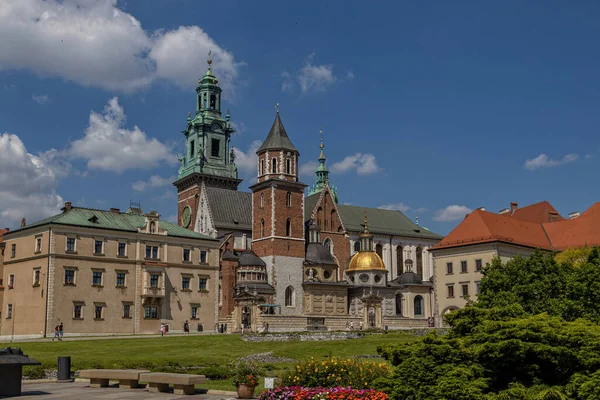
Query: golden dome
pixel 366 261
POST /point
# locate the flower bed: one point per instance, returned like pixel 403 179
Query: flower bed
pixel 335 393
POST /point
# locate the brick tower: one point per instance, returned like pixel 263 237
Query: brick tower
pixel 278 217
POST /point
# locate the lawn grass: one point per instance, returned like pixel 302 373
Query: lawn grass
pixel 199 351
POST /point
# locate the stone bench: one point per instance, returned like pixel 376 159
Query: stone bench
pixel 128 378
pixel 182 383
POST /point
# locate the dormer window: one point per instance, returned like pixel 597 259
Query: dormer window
pixel 93 219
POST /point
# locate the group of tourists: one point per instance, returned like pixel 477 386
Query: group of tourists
pixel 58 332
pixel 350 325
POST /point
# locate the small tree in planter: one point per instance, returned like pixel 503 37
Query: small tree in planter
pixel 245 374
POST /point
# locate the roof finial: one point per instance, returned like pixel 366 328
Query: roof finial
pixel 321 133
pixel 366 229
pixel 277 108
pixel 209 61
pixel 417 218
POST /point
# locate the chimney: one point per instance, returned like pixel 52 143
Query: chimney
pixel 513 207
pixel 574 215
pixel 504 211
pixel 23 223
pixel 481 208
pixel 552 216
pixel 115 211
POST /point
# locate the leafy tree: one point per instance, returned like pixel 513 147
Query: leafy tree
pixel 575 256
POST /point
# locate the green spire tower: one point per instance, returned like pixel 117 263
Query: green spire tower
pixel 208 154
pixel 322 174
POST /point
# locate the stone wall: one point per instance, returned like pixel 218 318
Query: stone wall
pixel 302 337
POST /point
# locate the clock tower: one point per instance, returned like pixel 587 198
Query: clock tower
pixel 208 159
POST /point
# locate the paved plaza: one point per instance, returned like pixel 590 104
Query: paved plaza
pixel 81 390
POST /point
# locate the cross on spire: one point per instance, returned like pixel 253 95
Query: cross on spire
pixel 277 108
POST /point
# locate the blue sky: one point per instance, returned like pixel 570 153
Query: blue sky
pixel 432 108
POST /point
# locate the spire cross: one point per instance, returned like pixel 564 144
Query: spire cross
pixel 277 108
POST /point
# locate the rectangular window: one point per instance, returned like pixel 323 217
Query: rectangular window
pixel 463 267
pixel 477 284
pixel 185 283
pixel 122 248
pixel 478 265
pixel 152 252
pixel 126 310
pixel 186 255
pixel 465 289
pixel 449 269
pixel 71 245
pixel 150 312
pixel 69 276
pixel 38 244
pixel 450 290
pixel 98 244
pixel 202 284
pixel 98 311
pixel 11 281
pixel 36 277
pixel 13 250
pixel 8 311
pixel 154 280
pixel 194 312
pixel 97 278
pixel 215 147
pixel 77 311
pixel 203 256
pixel 192 148
pixel 120 279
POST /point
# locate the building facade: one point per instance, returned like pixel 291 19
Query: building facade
pixel 482 236
pixel 107 272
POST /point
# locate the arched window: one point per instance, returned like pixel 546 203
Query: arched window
pixel 289 296
pixel 262 166
pixel 420 262
pixel 152 227
pixel 288 199
pixel 328 246
pixel 419 303
pixel 399 304
pixel 379 250
pixel 288 227
pixel 274 165
pixel 288 166
pixel 399 260
pixel 213 101
pixel 262 228
pixel 262 200
pixel 356 247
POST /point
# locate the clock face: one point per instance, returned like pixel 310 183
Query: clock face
pixel 186 216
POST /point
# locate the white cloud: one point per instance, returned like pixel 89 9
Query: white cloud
pixel 363 164
pixel 247 161
pixel 397 207
pixel 154 181
pixel 107 145
pixel 95 43
pixel 40 98
pixel 316 78
pixel 308 168
pixel 167 195
pixel 239 127
pixel 349 75
pixel 287 84
pixel 543 161
pixel 172 218
pixel 28 183
pixel 451 213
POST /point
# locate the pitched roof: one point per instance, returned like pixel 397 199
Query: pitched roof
pixel 230 209
pixel 484 227
pixel 538 212
pixel 578 232
pixel 78 216
pixel 277 138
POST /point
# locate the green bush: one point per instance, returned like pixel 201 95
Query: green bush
pixel 35 372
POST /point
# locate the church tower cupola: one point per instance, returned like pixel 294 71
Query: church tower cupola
pixel 322 174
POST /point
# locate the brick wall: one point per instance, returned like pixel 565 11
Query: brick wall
pixel 188 197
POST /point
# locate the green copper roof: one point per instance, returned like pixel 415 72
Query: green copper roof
pixel 278 138
pixel 128 222
pixel 322 175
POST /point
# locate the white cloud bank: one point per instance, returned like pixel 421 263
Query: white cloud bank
pixel 312 78
pixel 543 161
pixel 451 213
pixel 363 164
pixel 247 161
pixel 108 146
pixel 95 43
pixel 153 182
pixel 396 207
pixel 40 98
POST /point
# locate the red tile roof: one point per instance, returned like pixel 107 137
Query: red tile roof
pixel 530 228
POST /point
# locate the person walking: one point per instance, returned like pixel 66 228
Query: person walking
pixel 56 333
pixel 163 330
pixel 186 327
pixel 61 331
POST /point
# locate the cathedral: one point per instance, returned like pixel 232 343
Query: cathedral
pixel 291 257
